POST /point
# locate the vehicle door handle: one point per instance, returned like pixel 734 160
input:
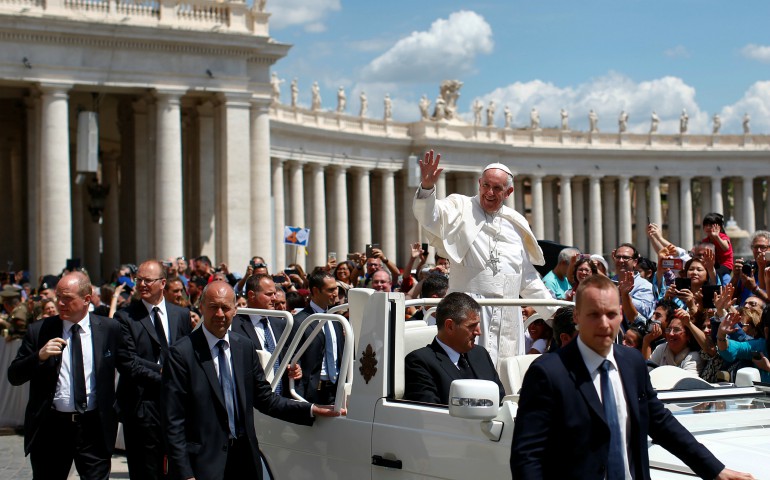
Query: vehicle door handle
pixel 384 462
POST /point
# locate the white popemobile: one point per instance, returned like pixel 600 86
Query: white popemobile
pixel 385 437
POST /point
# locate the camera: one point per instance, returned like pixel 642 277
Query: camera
pixel 748 268
pixel 683 283
pixel 673 263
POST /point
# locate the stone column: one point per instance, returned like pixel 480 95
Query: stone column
pixel 441 186
pixel 111 216
pixel 297 213
pixel 388 209
pixel 19 242
pixel 362 203
pixel 410 230
pixel 236 187
pixel 169 203
pixel 33 182
pixel 261 231
pixel 142 186
pixel 759 204
pixel 595 215
pixel 640 190
pixel 705 197
pixel 538 224
pixel 609 218
pixel 747 218
pixel 767 204
pixel 279 212
pixel 206 192
pixel 717 202
pixel 674 222
pixel 548 217
pixel 518 194
pixel 565 210
pixel 55 233
pixel 340 210
pixel 685 205
pixel 318 248
pixel 656 210
pixel 579 215
pixel 624 210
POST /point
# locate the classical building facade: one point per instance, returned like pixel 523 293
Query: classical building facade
pixel 201 158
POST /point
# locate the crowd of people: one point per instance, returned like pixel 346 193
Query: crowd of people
pixel 158 323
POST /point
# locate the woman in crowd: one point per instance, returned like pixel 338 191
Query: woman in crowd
pixel 343 272
pixel 691 298
pixel 542 336
pixel 699 327
pixel 676 350
pixel 583 268
pixel 48 308
pixel 633 338
pixel 754 350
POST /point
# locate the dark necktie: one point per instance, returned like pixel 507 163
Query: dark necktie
pixel 464 366
pixel 615 467
pixel 78 372
pixel 331 365
pixel 270 347
pixel 226 382
pixel 161 332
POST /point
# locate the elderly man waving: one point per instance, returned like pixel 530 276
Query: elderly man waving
pixel 491 247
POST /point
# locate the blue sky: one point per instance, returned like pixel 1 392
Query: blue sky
pixel 705 56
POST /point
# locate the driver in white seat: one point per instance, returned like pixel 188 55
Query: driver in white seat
pixel 453 355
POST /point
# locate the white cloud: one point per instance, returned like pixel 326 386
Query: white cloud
pixel 607 96
pixel 755 102
pixel 757 52
pixel 310 13
pixel 680 51
pixel 447 50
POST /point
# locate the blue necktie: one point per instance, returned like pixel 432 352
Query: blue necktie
pixel 331 365
pixel 226 381
pixel 270 347
pixel 615 467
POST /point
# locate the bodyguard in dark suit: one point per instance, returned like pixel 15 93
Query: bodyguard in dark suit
pixel 263 331
pixel 70 362
pixel 319 382
pixel 211 383
pixel 149 326
pixel 585 411
pixel 453 355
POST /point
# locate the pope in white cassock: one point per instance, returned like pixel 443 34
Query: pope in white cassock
pixel 491 247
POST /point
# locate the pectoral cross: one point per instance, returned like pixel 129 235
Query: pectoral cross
pixel 494 260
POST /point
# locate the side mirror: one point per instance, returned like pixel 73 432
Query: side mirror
pixel 474 399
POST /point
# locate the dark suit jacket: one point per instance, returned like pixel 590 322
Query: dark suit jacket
pixel 429 372
pixel 242 324
pixel 43 377
pixel 193 407
pixel 311 361
pixel 141 383
pixel 561 417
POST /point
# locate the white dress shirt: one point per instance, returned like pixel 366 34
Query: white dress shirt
pixel 64 397
pixel 317 309
pixel 214 348
pixel 593 361
pixel 163 316
pixel 259 328
pixel 451 353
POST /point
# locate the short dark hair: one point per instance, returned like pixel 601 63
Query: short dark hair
pixel 171 280
pixel 563 322
pixel 635 255
pixel 669 306
pixel 317 280
pixel 714 218
pixel 294 300
pixel 254 283
pixel 204 259
pixel 434 285
pixel 457 306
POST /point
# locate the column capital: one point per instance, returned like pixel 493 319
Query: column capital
pixel 278 162
pixel 168 95
pixel 566 177
pixel 538 175
pixel 54 88
pixel 205 109
pixel 748 178
pixel 297 163
pixel 316 167
pixel 624 177
pixel 260 104
pixel 340 168
pixel 235 99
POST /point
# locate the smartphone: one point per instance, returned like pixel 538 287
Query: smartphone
pixel 291 271
pixel 756 355
pixel 683 283
pixel 586 256
pixel 709 291
pixel 279 279
pixel 166 264
pixel 352 256
pixel 425 249
pixel 672 263
pixel 767 256
pixel 747 269
pixel 370 247
pixel 332 256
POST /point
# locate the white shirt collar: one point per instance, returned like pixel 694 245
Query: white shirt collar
pixel 451 353
pixel 592 359
pixel 212 339
pixel 85 324
pixel 161 305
